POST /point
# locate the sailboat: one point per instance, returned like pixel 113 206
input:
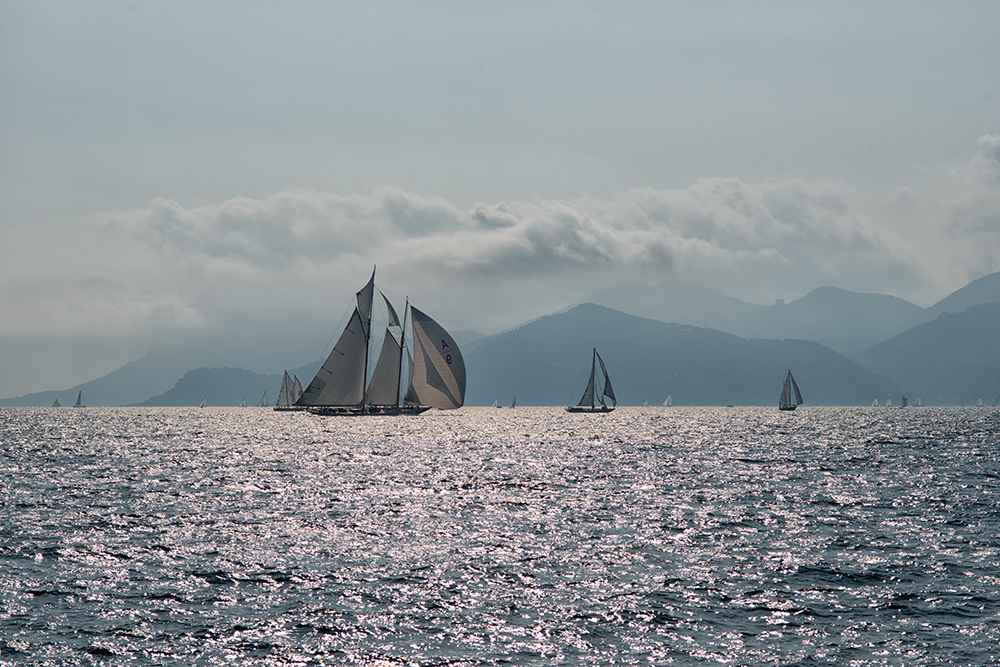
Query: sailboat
pixel 875 403
pixel 791 398
pixel 434 376
pixel 645 404
pixel 495 404
pixel 288 395
pixel 591 396
pixel 513 402
pixel 79 401
pixel 55 403
pixel 888 402
pixel 904 402
pixel 243 403
pixel 919 402
pixel 204 402
pixel 979 403
pixel 262 403
pixel 670 401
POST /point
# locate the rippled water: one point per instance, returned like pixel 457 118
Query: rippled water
pixel 531 536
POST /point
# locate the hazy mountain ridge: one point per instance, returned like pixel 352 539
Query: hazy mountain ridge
pixel 545 363
pixel 842 320
pixel 952 360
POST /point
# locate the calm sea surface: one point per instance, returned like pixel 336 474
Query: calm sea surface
pixel 484 536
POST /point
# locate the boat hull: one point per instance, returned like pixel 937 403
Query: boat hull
pixel 587 408
pixel 375 410
pixel 786 407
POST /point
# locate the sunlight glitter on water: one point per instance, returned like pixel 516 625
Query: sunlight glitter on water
pixel 528 536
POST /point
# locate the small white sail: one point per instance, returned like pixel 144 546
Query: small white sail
pixel 55 403
pixel 888 402
pixel 296 389
pixel 875 403
pixel 904 402
pixel 204 402
pixel 513 402
pixel 980 402
pixel 243 403
pixel 645 404
pixel 669 402
pixel 495 403
pixel 79 401
pixel 919 400
pixel 262 403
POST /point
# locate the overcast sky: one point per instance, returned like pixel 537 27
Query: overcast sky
pixel 173 169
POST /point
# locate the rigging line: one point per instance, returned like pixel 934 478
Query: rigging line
pixel 329 345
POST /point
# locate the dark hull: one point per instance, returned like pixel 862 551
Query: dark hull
pixel 289 408
pixel 377 410
pixel 587 408
pixel 786 407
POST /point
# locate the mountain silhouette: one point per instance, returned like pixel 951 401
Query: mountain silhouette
pixel 547 361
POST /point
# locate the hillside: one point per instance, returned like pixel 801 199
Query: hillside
pixel 952 360
pixel 544 363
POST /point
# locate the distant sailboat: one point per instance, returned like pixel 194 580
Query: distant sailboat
pixel 591 395
pixel 875 403
pixel 645 404
pixel 55 403
pixel 434 376
pixel 904 402
pixel 888 402
pixel 79 401
pixel 669 402
pixel 980 402
pixel 919 402
pixel 495 404
pixel 791 398
pixel 513 403
pixel 262 403
pixel 287 395
pixel 243 403
pixel 204 402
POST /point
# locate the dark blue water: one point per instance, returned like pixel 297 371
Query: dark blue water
pixel 684 536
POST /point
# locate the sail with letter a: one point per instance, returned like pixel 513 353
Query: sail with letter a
pixel 438 370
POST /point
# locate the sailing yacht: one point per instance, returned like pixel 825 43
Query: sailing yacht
pixel 979 403
pixel 288 395
pixel 243 403
pixel 204 402
pixel 920 401
pixel 513 403
pixel 904 402
pixel 55 403
pixel 79 401
pixel 669 402
pixel 791 398
pixel 875 403
pixel 888 402
pixel 591 395
pixel 434 376
pixel 262 403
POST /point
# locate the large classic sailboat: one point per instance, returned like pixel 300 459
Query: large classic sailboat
pixel 434 376
pixel 791 398
pixel 593 396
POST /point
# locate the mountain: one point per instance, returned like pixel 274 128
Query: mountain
pixel 952 360
pixel 218 386
pixel 843 320
pixel 983 290
pixel 544 363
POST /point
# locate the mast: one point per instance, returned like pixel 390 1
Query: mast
pixel 368 291
pixel 402 348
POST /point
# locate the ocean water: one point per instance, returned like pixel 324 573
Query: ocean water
pixel 648 536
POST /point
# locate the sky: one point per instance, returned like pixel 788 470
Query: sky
pixel 176 171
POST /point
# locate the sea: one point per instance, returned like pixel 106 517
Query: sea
pixel 498 536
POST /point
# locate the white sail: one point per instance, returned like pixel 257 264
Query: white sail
pixel 919 400
pixel 875 403
pixel 888 402
pixel 296 389
pixel 513 402
pixel 438 378
pixel 204 402
pixel 341 379
pixel 904 402
pixel 645 404
pixel 243 403
pixel 980 401
pixel 384 386
pixel 285 393
pixel 262 403
pixel 669 401
pixel 608 391
pixel 55 403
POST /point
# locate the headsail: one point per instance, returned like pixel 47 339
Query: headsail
pixel 285 393
pixel 669 401
pixel 243 403
pixel 384 387
pixel 341 379
pixel 55 403
pixel 438 378
pixel 262 403
pixel 587 400
pixel 608 391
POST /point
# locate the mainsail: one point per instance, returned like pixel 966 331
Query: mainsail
pixel 262 403
pixel 285 393
pixel 243 403
pixel 669 401
pixel 79 400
